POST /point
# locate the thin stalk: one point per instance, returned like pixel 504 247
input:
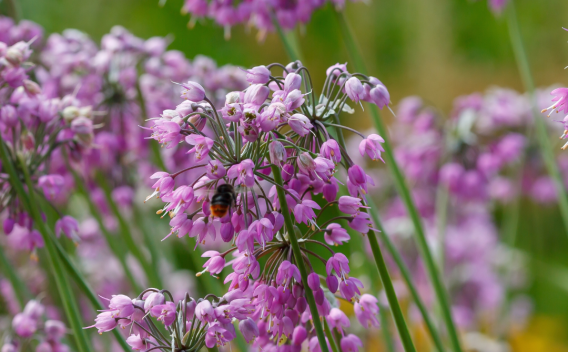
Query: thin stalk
pixel 87 290
pixel 67 298
pixel 541 131
pixel 404 192
pixel 389 343
pixel 407 276
pixel 126 234
pixel 330 336
pixel 299 260
pixel 391 295
pixel 145 229
pixel 292 54
pixel 20 289
pixel 114 242
pixel 442 199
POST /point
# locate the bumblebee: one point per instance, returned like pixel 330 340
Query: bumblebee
pixel 222 200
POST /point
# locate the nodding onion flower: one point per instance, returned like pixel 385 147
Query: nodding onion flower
pixel 36 130
pixel 190 323
pixel 256 13
pixel 277 123
pixel 30 324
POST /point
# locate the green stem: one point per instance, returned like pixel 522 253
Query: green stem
pixel 407 276
pixel 145 229
pixel 442 199
pixel 87 290
pixel 126 234
pixel 114 242
pixel 330 337
pixel 391 294
pixel 20 289
pixel 389 343
pixel 541 131
pixel 67 298
pixel 298 256
pixel 405 194
pixel 292 54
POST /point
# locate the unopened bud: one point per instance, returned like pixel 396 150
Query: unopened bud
pixel 70 113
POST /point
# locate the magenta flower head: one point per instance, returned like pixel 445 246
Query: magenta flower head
pixel 54 329
pixel 153 299
pixel 204 311
pixel 193 91
pixel 330 150
pixel 215 263
pixel 137 343
pixel 52 185
pixel 69 226
pixel 215 170
pixel 350 205
pixel 378 95
pixel 560 101
pixel 335 234
pixel 202 145
pixel 121 306
pixel 34 309
pixel 104 322
pixel 258 75
pixel 24 325
pixel 166 313
pixel 292 82
pixel 9 116
pixel 372 147
pixel 300 124
pixel 354 89
pixel 277 153
pixel 249 329
pixel 367 310
pixel 256 94
pixel 351 343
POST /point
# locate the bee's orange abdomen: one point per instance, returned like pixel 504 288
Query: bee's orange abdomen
pixel 219 210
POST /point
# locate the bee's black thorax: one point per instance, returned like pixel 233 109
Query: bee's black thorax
pixel 224 195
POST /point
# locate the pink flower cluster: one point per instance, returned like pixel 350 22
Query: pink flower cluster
pixel 258 13
pixel 274 122
pixel 30 324
pixel 36 129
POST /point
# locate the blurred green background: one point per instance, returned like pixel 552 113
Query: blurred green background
pixel 436 49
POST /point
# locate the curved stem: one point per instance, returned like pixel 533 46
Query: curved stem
pixel 541 132
pixel 287 46
pixel 404 192
pixel 299 260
